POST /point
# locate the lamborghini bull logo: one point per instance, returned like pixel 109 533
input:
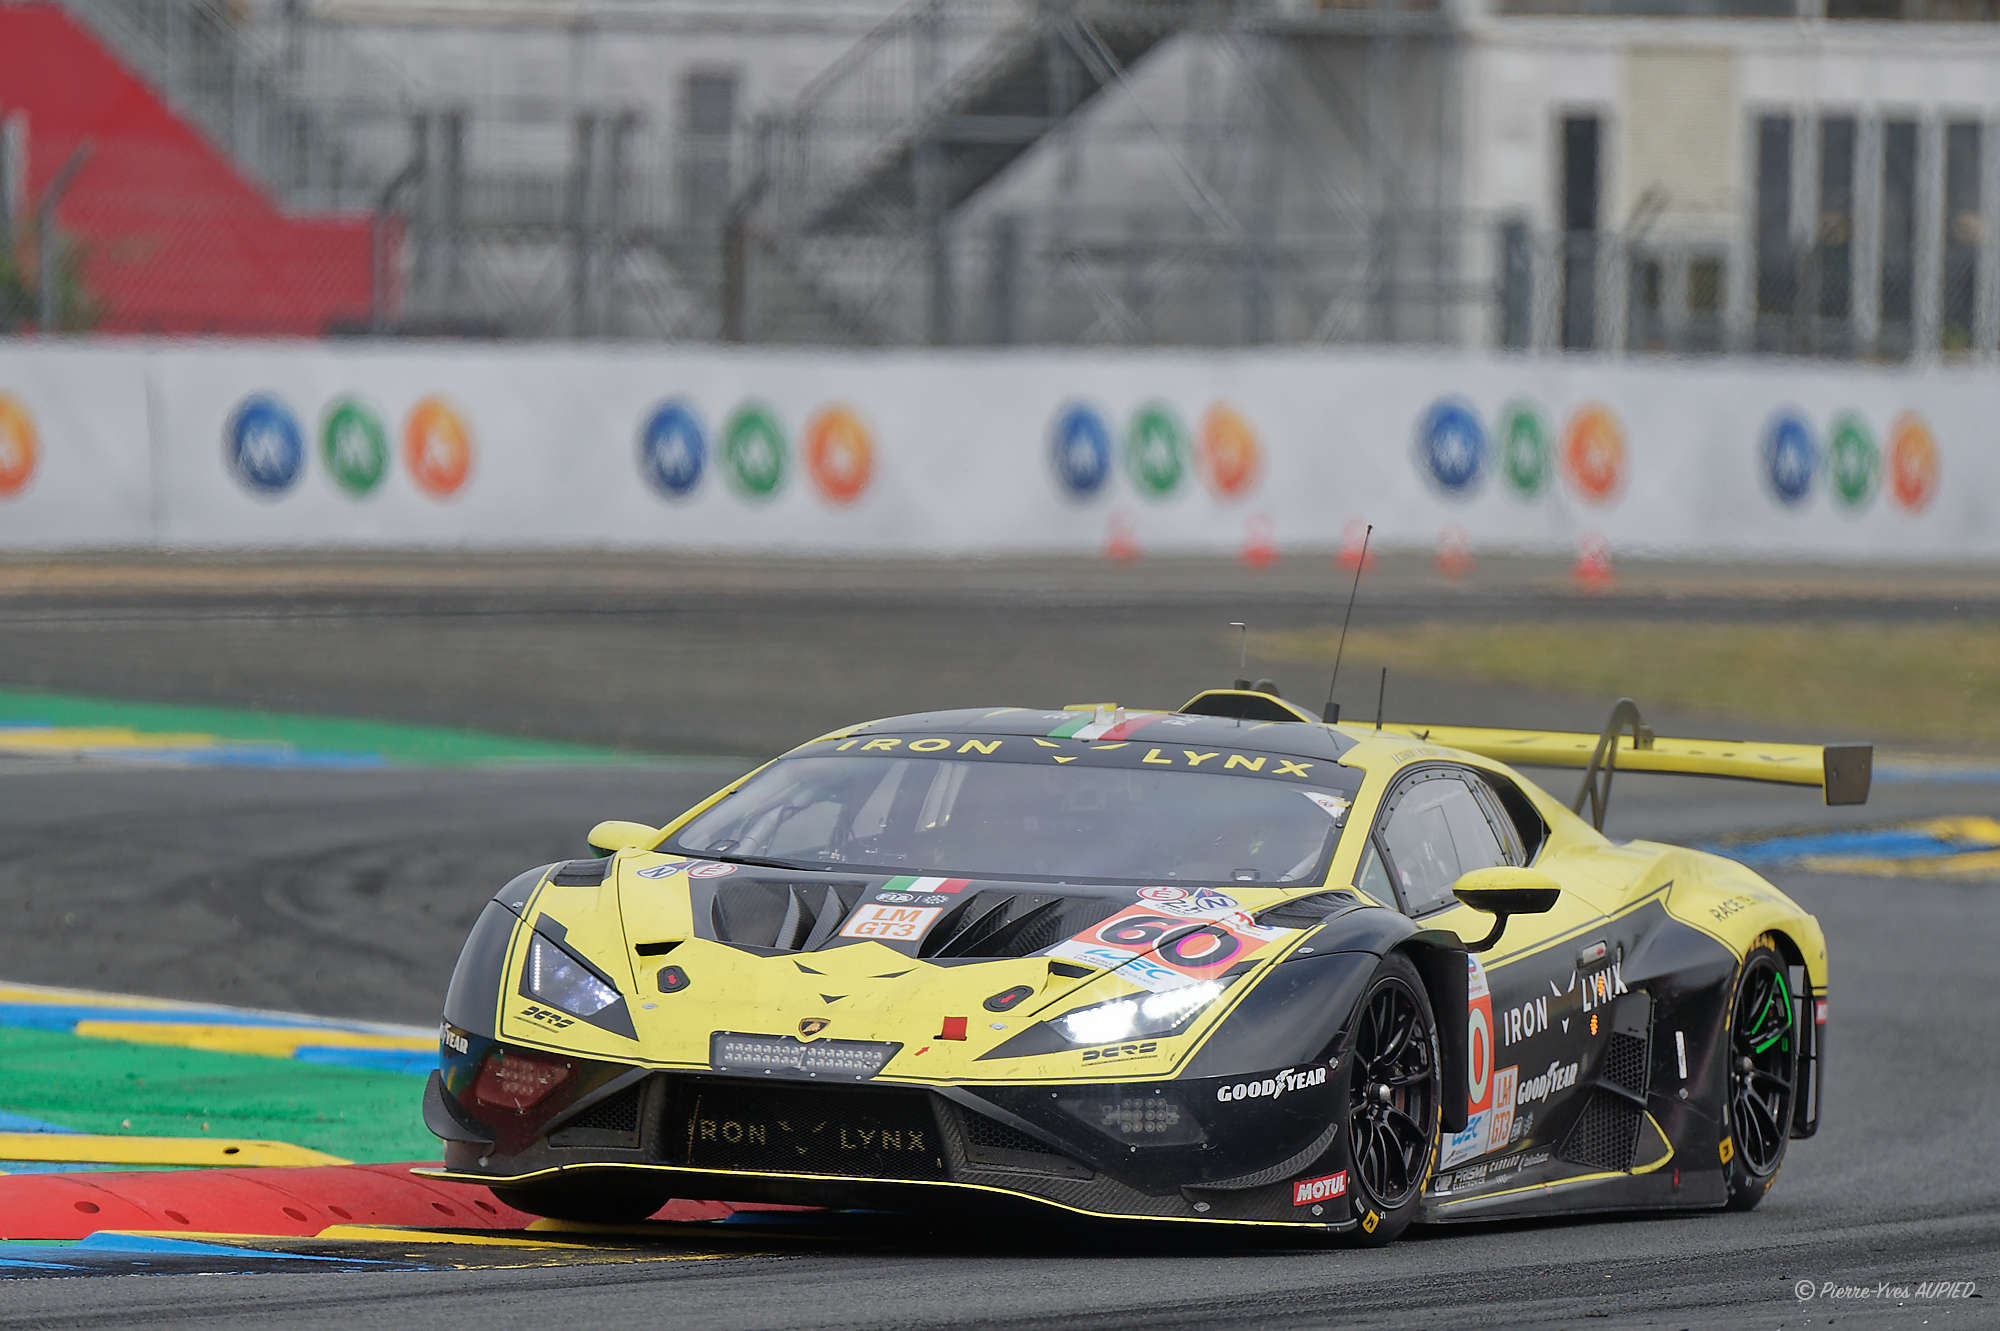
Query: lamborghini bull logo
pixel 812 1026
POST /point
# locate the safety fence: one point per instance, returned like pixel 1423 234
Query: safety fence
pixel 396 444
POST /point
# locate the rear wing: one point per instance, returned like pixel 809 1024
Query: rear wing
pixel 1840 771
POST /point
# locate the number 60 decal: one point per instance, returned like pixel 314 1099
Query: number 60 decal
pixel 1196 945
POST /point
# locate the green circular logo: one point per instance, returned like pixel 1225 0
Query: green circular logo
pixel 1524 449
pixel 1156 450
pixel 1852 460
pixel 754 448
pixel 355 448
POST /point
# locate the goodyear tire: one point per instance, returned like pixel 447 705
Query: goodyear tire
pixel 1393 1095
pixel 1762 1086
pixel 585 1200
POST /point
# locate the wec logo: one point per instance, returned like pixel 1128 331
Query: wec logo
pixel 1271 1088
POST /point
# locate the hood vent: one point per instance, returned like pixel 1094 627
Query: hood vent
pixel 993 924
pixel 1305 912
pixel 791 917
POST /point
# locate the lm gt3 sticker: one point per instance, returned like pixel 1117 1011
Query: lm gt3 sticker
pixel 893 924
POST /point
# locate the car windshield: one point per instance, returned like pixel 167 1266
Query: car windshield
pixel 990 818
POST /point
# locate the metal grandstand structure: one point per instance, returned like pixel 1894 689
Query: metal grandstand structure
pixel 982 172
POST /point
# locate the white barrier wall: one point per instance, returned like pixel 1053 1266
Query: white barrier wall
pixel 397 444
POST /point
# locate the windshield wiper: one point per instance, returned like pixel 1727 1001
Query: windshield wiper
pixel 755 861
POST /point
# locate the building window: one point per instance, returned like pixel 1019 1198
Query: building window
pixel 707 143
pixel 1578 208
pixel 1899 234
pixel 1963 232
pixel 1833 239
pixel 1776 263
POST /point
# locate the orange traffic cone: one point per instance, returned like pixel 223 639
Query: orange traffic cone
pixel 1119 547
pixel 1592 570
pixel 1454 556
pixel 1354 551
pixel 1259 550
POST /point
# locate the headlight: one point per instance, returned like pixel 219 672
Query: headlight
pixel 563 981
pixel 1163 1013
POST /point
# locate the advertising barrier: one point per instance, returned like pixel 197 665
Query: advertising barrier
pixel 966 453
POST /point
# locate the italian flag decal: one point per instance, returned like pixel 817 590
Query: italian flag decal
pixel 925 885
pixel 1082 726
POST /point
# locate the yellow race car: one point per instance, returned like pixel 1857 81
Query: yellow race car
pixel 1227 964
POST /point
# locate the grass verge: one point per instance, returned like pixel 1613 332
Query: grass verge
pixel 1917 682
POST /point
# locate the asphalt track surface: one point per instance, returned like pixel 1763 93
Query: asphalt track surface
pixel 348 893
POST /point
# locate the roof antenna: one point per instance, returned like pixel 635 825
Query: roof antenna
pixel 1332 712
pixel 1242 654
pixel 1381 692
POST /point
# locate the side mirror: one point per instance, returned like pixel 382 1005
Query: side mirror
pixel 614 835
pixel 1505 890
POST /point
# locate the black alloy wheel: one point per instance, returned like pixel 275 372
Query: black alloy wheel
pixel 1393 1096
pixel 1763 1074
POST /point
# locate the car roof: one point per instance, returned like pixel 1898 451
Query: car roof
pixel 1108 722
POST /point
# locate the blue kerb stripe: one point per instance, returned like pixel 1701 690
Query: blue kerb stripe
pixel 377 1060
pixel 23 1266
pixel 65 1016
pixel 1882 843
pixel 139 1243
pixel 22 1123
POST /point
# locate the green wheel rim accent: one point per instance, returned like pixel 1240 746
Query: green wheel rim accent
pixel 1524 449
pixel 1852 460
pixel 1156 450
pixel 754 448
pixel 355 446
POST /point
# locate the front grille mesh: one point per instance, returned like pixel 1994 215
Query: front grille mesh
pixel 614 1113
pixel 1625 1062
pixel 985 1134
pixel 862 1132
pixel 1606 1133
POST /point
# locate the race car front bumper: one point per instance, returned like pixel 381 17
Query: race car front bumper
pixel 1260 1150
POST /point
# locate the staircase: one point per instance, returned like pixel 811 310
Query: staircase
pixel 917 119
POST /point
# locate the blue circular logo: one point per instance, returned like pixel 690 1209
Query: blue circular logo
pixel 673 449
pixel 1080 445
pixel 1790 457
pixel 263 445
pixel 1452 445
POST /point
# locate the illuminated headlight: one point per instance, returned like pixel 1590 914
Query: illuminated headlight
pixel 1142 1014
pixel 562 981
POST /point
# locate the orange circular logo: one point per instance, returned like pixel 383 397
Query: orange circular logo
pixel 1593 452
pixel 840 455
pixel 18 445
pixel 1227 451
pixel 437 448
pixel 1913 462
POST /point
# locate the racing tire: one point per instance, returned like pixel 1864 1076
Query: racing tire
pixel 588 1201
pixel 1762 1087
pixel 1393 1098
